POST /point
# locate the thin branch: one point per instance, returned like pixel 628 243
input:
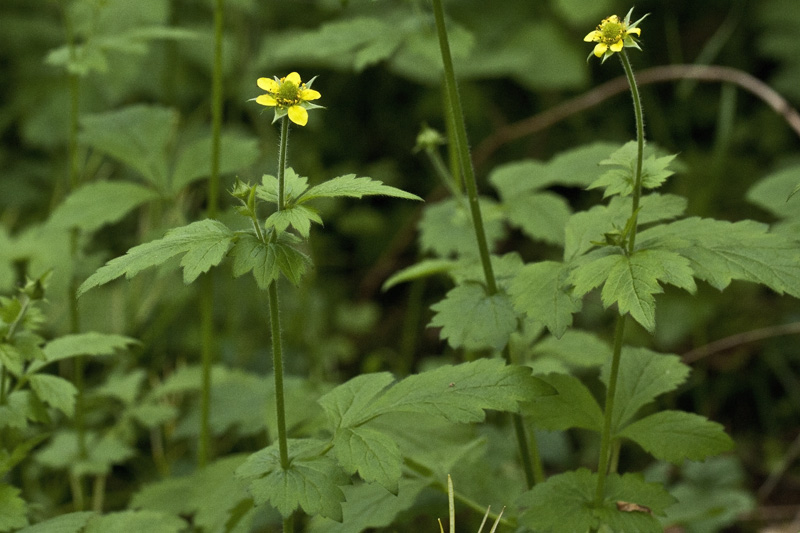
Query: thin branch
pixel 733 341
pixel 611 88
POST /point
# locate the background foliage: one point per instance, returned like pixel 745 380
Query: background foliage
pixel 142 71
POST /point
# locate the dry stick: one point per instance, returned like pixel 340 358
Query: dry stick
pixel 740 338
pixel 618 85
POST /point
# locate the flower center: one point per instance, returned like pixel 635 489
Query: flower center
pixel 611 29
pixel 288 94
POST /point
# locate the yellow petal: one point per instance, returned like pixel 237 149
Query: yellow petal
pixel 268 84
pixel 600 49
pixel 298 115
pixel 592 36
pixel 617 46
pixel 266 100
pixel 637 31
pixel 309 94
pixel 294 77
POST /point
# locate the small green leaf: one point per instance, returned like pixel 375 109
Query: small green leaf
pixel 539 291
pixel 643 376
pixel 619 181
pixel 299 217
pixel 676 435
pixel 375 455
pixel 13 509
pixel 573 406
pixel 63 453
pixel 631 281
pixel 473 320
pixel 91 343
pixel 541 216
pixel 11 358
pixel 65 523
pixel 353 187
pixel 55 391
pixel 423 269
pixel 96 204
pixel 293 187
pixel 268 259
pixel 204 244
pixel 311 481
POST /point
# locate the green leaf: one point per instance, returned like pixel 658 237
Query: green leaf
pixel 446 227
pixel 578 349
pixel 63 453
pixel 13 509
pixel 137 135
pixel 423 269
pixel 631 281
pixel 619 181
pixel 676 435
pixel 573 406
pixel 127 521
pixel 236 151
pixel 773 192
pixel 55 391
pixel 374 454
pixel 721 251
pixel 353 187
pixel 91 344
pixel 539 291
pixel 293 187
pixel 346 404
pixel 473 320
pixel 96 204
pixel 643 376
pixel 267 260
pixel 565 502
pixel 311 481
pixel 370 506
pixel 204 244
pixel 298 216
pixel 541 216
pixel 11 358
pixel 65 523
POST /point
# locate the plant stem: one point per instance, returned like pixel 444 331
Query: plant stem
pixel 619 330
pixel 282 160
pixel 204 451
pixel 455 115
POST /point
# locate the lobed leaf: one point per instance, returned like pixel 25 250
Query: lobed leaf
pixel 373 454
pixel 299 217
pixel 204 243
pixel 677 435
pixel 13 509
pixel 446 227
pixel 353 187
pixel 573 406
pixel 539 291
pixel 473 320
pixel 294 186
pixel 619 181
pixel 55 391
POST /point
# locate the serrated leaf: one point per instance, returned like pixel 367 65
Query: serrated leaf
pixel 573 406
pixel 63 453
pixel 473 320
pixel 676 435
pixel 346 403
pixel 541 216
pixel 311 481
pixel 96 204
pixel 294 186
pixel 11 358
pixel 204 244
pixel 370 506
pixel 423 269
pixel 65 523
pixel 565 502
pixel 299 217
pixel 55 391
pixel 643 376
pixel 236 152
pixel 619 181
pixel 373 454
pixel 127 521
pixel 720 251
pixel 351 186
pixel 578 349
pixel 91 343
pixel 631 281
pixel 539 290
pixel 136 135
pixel 446 227
pixel 13 509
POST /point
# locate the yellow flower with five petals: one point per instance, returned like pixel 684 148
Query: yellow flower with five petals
pixel 289 96
pixel 613 34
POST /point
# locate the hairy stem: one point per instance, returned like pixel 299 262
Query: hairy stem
pixel 456 119
pixel 619 331
pixel 282 161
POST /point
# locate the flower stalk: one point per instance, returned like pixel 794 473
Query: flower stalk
pixel 455 115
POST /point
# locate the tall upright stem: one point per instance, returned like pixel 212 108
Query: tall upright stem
pixel 619 331
pixel 530 461
pixel 204 451
pixel 282 147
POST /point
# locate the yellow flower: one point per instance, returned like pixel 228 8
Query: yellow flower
pixel 613 34
pixel 289 96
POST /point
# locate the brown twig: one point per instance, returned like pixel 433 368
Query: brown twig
pixel 552 116
pixel 740 338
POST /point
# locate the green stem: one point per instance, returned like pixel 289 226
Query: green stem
pixel 282 160
pixel 619 331
pixel 277 363
pixel 456 119
pixel 207 288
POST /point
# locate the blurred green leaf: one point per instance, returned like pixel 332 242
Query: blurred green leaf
pixel 539 291
pixel 97 204
pixel 65 523
pixel 573 405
